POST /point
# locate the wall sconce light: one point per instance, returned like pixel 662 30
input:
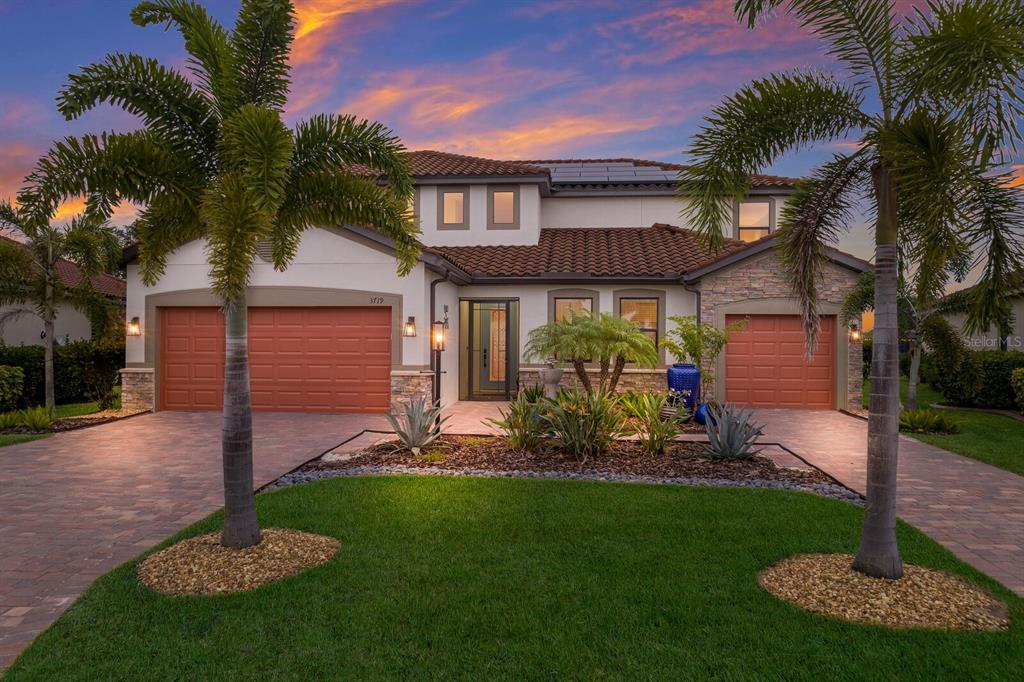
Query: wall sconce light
pixel 437 336
pixel 134 327
pixel 854 332
pixel 409 330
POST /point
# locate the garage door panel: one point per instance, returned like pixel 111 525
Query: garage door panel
pixel 300 359
pixel 766 366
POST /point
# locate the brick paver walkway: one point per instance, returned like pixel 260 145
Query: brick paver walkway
pixel 973 509
pixel 77 504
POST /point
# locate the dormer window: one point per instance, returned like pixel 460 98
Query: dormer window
pixel 453 208
pixel 754 219
pixel 503 207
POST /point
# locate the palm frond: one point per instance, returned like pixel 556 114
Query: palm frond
pixel 816 214
pixel 327 143
pixel 339 199
pixel 166 223
pixel 206 41
pixel 968 57
pixel 749 130
pixel 235 226
pixel 996 234
pixel 260 47
pixel 167 103
pixel 257 145
pixel 91 245
pixel 860 34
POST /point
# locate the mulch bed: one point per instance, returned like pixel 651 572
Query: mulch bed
pixel 202 566
pixel 922 598
pixel 681 460
pixel 79 422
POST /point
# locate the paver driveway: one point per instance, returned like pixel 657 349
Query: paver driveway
pixel 77 504
pixel 973 509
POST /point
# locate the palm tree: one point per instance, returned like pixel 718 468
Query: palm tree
pixel 933 101
pixel 214 161
pixel 30 276
pixel 607 339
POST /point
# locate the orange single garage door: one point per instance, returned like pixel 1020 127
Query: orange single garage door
pixel 765 364
pixel 300 359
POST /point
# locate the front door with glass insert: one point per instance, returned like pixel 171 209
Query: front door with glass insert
pixel 490 356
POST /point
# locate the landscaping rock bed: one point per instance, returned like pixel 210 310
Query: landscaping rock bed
pixel 684 463
pixel 201 565
pixel 922 598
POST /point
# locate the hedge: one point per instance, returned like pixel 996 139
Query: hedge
pixel 12 379
pixel 1017 379
pixel 82 370
pixel 995 369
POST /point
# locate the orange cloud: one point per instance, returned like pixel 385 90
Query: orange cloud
pixel 1018 176
pixel 318 20
pixel 539 138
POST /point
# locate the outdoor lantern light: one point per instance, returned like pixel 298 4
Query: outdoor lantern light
pixel 854 332
pixel 437 336
pixel 409 330
pixel 134 327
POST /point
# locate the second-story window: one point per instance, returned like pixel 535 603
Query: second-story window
pixel 503 208
pixel 453 208
pixel 754 219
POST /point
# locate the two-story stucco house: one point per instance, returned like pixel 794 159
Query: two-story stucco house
pixel 509 245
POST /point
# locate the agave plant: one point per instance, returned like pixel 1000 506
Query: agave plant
pixel 731 433
pixel 417 424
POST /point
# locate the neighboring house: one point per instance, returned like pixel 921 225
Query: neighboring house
pixel 19 324
pixel 509 245
pixel 993 338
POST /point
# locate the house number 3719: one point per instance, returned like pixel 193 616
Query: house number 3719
pixel 376 300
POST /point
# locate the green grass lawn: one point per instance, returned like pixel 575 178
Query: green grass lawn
pixel 990 438
pixel 14 439
pixel 519 579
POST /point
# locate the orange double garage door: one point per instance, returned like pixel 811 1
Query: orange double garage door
pixel 765 365
pixel 300 359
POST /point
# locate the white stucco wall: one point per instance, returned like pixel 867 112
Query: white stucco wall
pixel 625 211
pixel 324 259
pixel 529 218
pixel 990 340
pixel 25 328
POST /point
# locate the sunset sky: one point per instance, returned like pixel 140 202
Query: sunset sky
pixel 502 79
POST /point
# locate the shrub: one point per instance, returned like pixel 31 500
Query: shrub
pixel 1017 379
pixel 9 420
pixel 11 381
pixel 928 421
pixel 645 411
pixel 533 393
pixel 699 343
pixel 521 426
pixel 951 366
pixel 37 418
pixel 586 423
pixel 416 424
pixel 731 434
pixel 83 370
pixel 865 351
pixel 995 369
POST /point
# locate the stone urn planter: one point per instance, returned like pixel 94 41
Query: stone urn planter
pixel 550 376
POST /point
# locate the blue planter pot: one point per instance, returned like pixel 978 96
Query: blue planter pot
pixel 685 378
pixel 703 414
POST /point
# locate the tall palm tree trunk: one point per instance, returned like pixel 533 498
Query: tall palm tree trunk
pixel 48 362
pixel 879 554
pixel 241 528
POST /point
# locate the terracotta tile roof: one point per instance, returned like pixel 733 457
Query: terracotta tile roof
pixel 656 251
pixel 432 163
pixel 104 283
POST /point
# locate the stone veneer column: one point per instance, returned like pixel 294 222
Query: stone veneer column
pixel 407 384
pixel 138 388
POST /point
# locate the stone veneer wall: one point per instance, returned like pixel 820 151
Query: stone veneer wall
pixel 631 379
pixel 406 385
pixel 762 277
pixel 138 388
